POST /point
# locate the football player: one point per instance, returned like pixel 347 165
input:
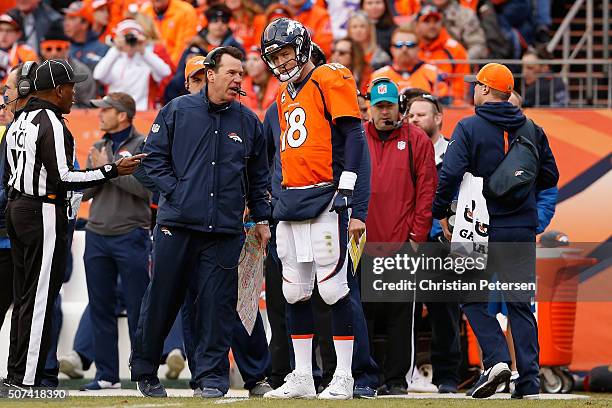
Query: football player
pixel 321 147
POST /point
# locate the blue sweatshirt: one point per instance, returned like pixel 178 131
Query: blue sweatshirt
pixel 477 146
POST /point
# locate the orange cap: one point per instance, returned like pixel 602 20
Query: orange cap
pixel 493 75
pixel 79 9
pixel 194 65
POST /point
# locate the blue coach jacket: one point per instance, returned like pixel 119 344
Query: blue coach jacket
pixel 477 146
pixel 206 162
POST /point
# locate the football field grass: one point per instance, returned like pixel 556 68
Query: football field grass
pixel 596 400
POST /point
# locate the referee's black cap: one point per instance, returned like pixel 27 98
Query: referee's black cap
pixel 55 72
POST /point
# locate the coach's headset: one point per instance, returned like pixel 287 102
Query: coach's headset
pixel 401 99
pixel 25 84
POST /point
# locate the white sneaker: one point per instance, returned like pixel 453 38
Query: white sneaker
pixel 297 385
pixel 71 365
pixel 175 363
pixel 420 383
pixel 340 388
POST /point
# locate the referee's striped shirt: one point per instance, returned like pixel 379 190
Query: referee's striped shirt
pixel 40 155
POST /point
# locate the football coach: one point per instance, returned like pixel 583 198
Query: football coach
pixel 206 154
pixel 40 178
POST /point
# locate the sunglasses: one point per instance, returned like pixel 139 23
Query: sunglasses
pixel 433 100
pixel 57 49
pixel 214 19
pixel 408 44
pixel 479 83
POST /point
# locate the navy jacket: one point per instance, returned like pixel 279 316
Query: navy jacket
pixel 477 146
pixel 361 195
pixel 206 162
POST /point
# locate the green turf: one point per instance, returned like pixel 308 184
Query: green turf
pixel 108 402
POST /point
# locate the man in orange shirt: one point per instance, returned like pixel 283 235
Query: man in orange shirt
pixel 437 44
pixel 408 70
pixel 11 51
pixel 176 21
pixel 316 20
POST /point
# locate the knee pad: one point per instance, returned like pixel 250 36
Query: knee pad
pixel 331 292
pixel 296 292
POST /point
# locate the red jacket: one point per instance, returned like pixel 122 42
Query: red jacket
pixel 398 211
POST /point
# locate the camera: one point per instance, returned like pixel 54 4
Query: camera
pixel 131 39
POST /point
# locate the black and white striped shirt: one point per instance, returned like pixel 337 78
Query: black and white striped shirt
pixel 40 155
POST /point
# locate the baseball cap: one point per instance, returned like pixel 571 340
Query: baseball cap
pixel 54 72
pixel 96 4
pixel 129 25
pixel 494 75
pixel 118 100
pixel 195 64
pixel 218 12
pixel 78 9
pixel 427 11
pixel 6 18
pixel 383 90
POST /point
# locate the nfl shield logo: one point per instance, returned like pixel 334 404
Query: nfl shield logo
pixel 401 145
pixel 382 88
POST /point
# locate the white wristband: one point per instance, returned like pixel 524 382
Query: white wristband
pixel 347 180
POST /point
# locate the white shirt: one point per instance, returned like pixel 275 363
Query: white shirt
pixel 131 75
pixel 440 149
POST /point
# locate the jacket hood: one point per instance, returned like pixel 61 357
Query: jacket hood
pixel 502 114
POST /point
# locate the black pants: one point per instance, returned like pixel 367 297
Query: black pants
pixel 6 277
pixel 38 233
pixel 396 320
pixel 444 319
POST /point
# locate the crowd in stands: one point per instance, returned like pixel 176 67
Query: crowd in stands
pixel 141 47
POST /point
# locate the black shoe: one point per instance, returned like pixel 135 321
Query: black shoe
pixel 211 393
pixel 392 390
pixel 151 388
pixel 447 389
pixel 490 379
pixel 364 392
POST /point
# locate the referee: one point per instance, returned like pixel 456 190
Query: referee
pixel 40 178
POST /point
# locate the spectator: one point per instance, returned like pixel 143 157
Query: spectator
pixel 402 189
pixel 100 19
pixel 350 54
pixel 130 65
pixel 463 25
pixel 117 242
pixel 444 317
pixel 260 87
pixel 274 11
pixel 339 13
pixel 243 14
pixel 36 18
pixel 11 51
pixel 362 31
pixel 498 43
pixel 156 94
pixel 316 20
pixel 540 86
pixel 364 107
pixel 516 20
pixel 378 12
pixel 55 45
pixel 84 43
pixel 176 22
pixel 436 44
pixel 177 85
pixel 543 21
pixel 407 69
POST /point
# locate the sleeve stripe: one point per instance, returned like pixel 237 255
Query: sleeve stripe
pixel 65 174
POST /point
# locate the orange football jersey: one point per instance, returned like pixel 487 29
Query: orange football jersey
pixel 307 118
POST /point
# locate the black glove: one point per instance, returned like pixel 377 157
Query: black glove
pixel 343 200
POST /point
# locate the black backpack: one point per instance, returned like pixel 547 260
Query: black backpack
pixel 515 176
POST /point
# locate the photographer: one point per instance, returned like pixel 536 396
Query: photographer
pixel 131 65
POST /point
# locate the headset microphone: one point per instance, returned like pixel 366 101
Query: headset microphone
pixel 392 123
pixel 4 105
pixel 241 92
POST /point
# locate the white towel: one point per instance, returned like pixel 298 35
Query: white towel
pixel 470 233
pixel 302 239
